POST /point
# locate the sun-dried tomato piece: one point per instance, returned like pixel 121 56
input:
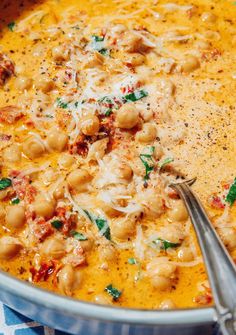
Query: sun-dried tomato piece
pixel 46 269
pixel 22 186
pixel 204 299
pixel 10 114
pixel 216 202
pixel 68 221
pixel 41 229
pixel 7 68
pixel 80 146
pixel 5 137
pixel 211 55
pixel 172 194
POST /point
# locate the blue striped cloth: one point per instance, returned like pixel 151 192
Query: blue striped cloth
pixel 13 323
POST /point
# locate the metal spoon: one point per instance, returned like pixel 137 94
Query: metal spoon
pixel 220 267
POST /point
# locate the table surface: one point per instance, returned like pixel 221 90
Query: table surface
pixel 13 323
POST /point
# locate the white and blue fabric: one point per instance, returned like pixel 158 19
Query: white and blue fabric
pixel 13 323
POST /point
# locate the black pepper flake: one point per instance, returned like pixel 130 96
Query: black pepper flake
pixel 21 270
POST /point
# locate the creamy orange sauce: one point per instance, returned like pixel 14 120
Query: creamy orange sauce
pixel 177 60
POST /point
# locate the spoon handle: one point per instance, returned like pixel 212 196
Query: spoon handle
pixel 220 267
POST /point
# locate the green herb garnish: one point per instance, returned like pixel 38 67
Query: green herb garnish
pixel 132 261
pixel 165 162
pixel 15 201
pixel 98 38
pixel 104 51
pixel 164 244
pixel 78 236
pixel 108 112
pixel 4 183
pixel 107 100
pixel 148 162
pixel 108 104
pixel 98 45
pixel 231 196
pixel 11 26
pixel 57 224
pixel 114 292
pixel 101 224
pixel 137 95
pixel 89 215
pixel 61 103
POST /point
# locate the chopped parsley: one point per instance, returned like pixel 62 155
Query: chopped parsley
pixel 107 104
pixel 231 196
pixel 136 95
pixel 147 161
pixel 98 45
pixel 101 224
pixel 98 38
pixel 104 51
pixel 132 261
pixel 108 112
pixel 164 244
pixel 78 236
pixel 4 183
pixel 57 224
pixel 15 201
pixel 114 292
pixel 11 26
pixel 165 162
pixel 89 215
pixel 61 103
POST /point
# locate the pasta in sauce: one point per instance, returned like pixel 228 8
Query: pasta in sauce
pixel 102 104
